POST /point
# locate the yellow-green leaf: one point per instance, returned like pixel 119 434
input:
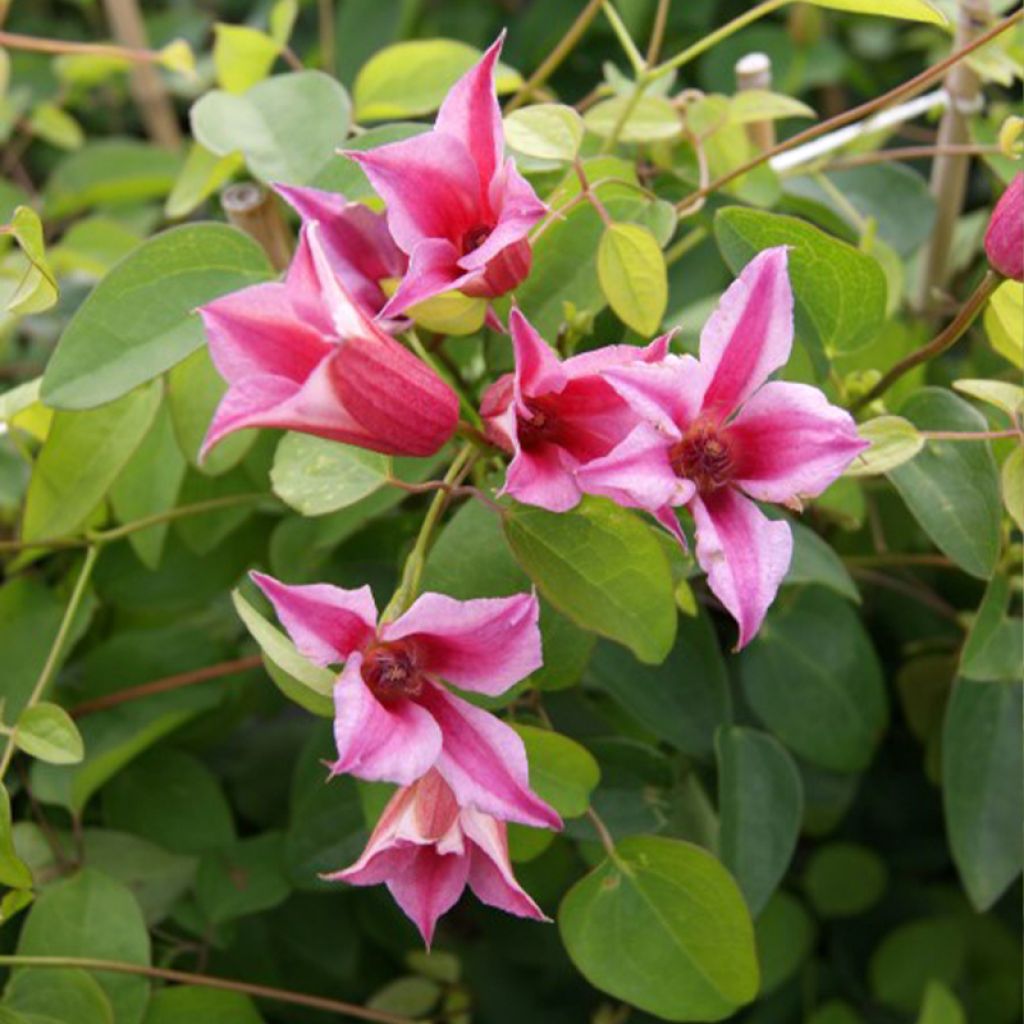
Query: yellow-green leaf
pixel 282 20
pixel 1013 485
pixel 177 56
pixel 242 56
pixel 894 440
pixel 909 10
pixel 47 732
pixel 761 105
pixel 38 288
pixel 202 174
pixel 652 119
pixel 1004 321
pixel 51 124
pixel 633 276
pixel 548 131
pixel 1000 393
pixel 450 313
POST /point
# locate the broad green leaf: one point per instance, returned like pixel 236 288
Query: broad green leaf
pixel 56 126
pixel 316 476
pixel 561 771
pixel 835 1011
pixel 91 915
pixel 1004 321
pixel 992 651
pixel 604 568
pixel 840 292
pixel 87 69
pixel 82 457
pixel 301 681
pixel 59 994
pixel 652 119
pixel 761 105
pixel 940 1006
pixel 243 878
pixel 760 807
pixel 13 872
pixel 663 927
pixel 815 561
pixel 411 996
pixel 952 487
pixel 262 124
pixel 1000 393
pixel 812 676
pixel 785 938
pixel 911 956
pixel 1011 478
pixel 47 732
pixel 242 56
pixel 894 440
pixel 201 175
pixel 412 78
pixel 684 699
pixel 547 131
pixel 140 319
pixel 982 786
pixel 37 289
pixel 911 10
pixel 844 879
pixel 633 276
pixel 177 1003
pixel 110 172
pixel 92 246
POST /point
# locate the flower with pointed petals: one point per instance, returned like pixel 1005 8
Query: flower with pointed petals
pixel 426 848
pixel 1004 238
pixel 715 435
pixel 555 416
pixel 302 355
pixel 356 240
pixel 454 203
pixel 394 721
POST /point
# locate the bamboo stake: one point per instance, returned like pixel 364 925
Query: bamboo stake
pixel 754 71
pixel 255 211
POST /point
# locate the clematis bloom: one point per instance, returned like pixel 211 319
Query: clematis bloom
pixel 555 416
pixel 394 721
pixel 426 849
pixel 303 355
pixel 1004 238
pixel 454 204
pixel 715 436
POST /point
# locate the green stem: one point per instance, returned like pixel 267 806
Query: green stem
pixel 468 408
pixel 56 648
pixel 643 79
pixel 625 39
pixel 689 241
pixel 976 435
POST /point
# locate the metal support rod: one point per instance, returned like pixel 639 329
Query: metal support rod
pixel 754 71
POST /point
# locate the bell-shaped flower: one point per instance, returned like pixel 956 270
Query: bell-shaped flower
pixel 426 848
pixel 303 355
pixel 715 435
pixel 555 416
pixel 454 203
pixel 1004 238
pixel 394 720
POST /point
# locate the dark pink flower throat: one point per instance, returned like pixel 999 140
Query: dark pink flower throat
pixel 703 456
pixel 390 671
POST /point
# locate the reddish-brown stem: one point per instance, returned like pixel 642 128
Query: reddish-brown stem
pixel 897 559
pixel 909 153
pixel 32 44
pixel 918 593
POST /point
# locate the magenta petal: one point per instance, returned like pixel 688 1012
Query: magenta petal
pixel 790 442
pixel 430 186
pixel 471 114
pixel 429 887
pixel 538 370
pixel 490 870
pixel 1004 237
pixel 668 394
pixel 750 334
pixel 484 762
pixel 485 645
pixel 326 623
pixel 433 269
pixel 398 742
pixel 745 555
pixel 542 477
pixel 252 402
pixel 601 359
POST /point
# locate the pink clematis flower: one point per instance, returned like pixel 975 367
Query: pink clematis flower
pixel 356 240
pixel 1004 238
pixel 394 721
pixel 426 849
pixel 459 209
pixel 554 417
pixel 716 435
pixel 302 355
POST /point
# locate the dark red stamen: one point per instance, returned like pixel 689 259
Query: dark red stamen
pixel 474 238
pixel 704 456
pixel 389 669
pixel 539 425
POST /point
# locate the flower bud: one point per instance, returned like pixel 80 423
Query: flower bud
pixel 1004 239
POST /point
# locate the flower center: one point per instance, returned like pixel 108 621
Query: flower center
pixel 704 456
pixel 389 670
pixel 474 238
pixel 538 426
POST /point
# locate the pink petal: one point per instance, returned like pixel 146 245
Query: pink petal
pixel 485 645
pixel 750 334
pixel 326 623
pixel 397 742
pixel 637 473
pixel 470 113
pixel 592 418
pixel 744 554
pixel 433 269
pixel 430 185
pixel 252 402
pixel 538 369
pixel 668 394
pixel 543 477
pixel 600 359
pixel 490 870
pixel 429 887
pixel 790 442
pixel 484 762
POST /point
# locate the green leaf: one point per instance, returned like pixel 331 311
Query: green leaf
pixel 262 124
pixel 761 105
pixel 913 955
pixel 410 996
pixel 241 879
pixel 316 476
pixel 412 78
pixel 13 872
pixel 1000 393
pixel 652 119
pixel 547 131
pixel 835 1011
pixel 92 246
pixel 178 1003
pixel 894 440
pixel 242 56
pixel 815 561
pixel 844 879
pixel 760 806
pixel 812 676
pixel 1011 479
pixel 663 927
pixel 952 487
pixel 785 937
pixel 840 292
pixel 300 680
pixel 911 10
pixel 82 457
pixel 201 175
pixel 450 313
pixel 56 126
pixel 601 566
pixel 940 1006
pixel 561 771
pixel 46 731
pixel 91 915
pixel 995 640
pixel 37 290
pixel 633 276
pixel 1004 321
pixel 140 320
pixel 982 789
pixel 59 994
